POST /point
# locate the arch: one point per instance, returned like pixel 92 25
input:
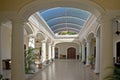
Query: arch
pixel 71 53
pixel 90 35
pixel 40 36
pixel 34 6
pixel 97 30
pixel 28 29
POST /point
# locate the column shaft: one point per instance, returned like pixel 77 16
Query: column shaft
pixel 31 42
pixel 1 49
pixel 43 51
pixel 53 52
pixel 83 53
pixel 49 53
pixel 88 53
pixel 97 59
pixel 17 55
pixel 106 47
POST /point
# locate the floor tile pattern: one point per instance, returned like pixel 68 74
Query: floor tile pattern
pixel 66 70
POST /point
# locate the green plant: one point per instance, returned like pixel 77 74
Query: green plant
pixel 29 58
pixel 115 75
pixel 1 76
pixel 91 58
pixel 67 33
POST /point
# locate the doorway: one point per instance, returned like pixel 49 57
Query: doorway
pixel 56 53
pixel 71 53
pixel 118 52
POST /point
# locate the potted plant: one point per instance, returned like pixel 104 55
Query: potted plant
pixel 29 60
pixel 91 59
pixel 1 77
pixel 115 75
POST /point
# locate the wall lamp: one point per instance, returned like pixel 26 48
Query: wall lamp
pixel 117 24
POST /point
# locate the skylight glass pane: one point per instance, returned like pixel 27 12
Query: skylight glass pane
pixel 60 16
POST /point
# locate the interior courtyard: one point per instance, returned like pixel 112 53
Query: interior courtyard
pixel 59 39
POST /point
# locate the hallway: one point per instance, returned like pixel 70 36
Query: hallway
pixel 66 70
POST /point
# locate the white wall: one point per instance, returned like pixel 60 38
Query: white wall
pixel 6 42
pixel 62 48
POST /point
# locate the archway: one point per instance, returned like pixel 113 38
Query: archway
pixel 34 6
pixel 71 53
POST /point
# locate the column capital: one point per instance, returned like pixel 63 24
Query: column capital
pixel 99 19
pixel 31 35
pixel 102 18
pixel 18 19
pixel 50 44
pixel 53 45
pixel 43 41
pixel 88 40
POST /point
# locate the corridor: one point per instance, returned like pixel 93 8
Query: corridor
pixel 66 70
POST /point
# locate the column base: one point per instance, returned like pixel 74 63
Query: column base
pixel 44 63
pixel 96 72
pixel 87 65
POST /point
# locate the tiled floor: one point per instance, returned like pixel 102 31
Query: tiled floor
pixel 65 70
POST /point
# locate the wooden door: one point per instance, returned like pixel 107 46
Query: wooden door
pixel 56 53
pixel 71 53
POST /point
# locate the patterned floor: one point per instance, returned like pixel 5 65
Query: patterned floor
pixel 65 70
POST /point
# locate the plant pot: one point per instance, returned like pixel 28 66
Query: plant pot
pixel 33 67
pixel 40 66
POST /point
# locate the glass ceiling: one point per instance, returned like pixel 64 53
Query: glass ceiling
pixel 62 19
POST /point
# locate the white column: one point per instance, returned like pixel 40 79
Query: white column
pixel 88 53
pixel 31 42
pixel 106 47
pixel 17 54
pixel 43 57
pixel 80 52
pixel 97 59
pixel 1 49
pixel 83 52
pixel 49 53
pixel 53 52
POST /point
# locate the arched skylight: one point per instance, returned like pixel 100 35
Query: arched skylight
pixel 65 18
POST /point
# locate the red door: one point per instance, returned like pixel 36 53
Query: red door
pixel 71 53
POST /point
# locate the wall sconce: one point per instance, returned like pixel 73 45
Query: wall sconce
pixel 117 32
